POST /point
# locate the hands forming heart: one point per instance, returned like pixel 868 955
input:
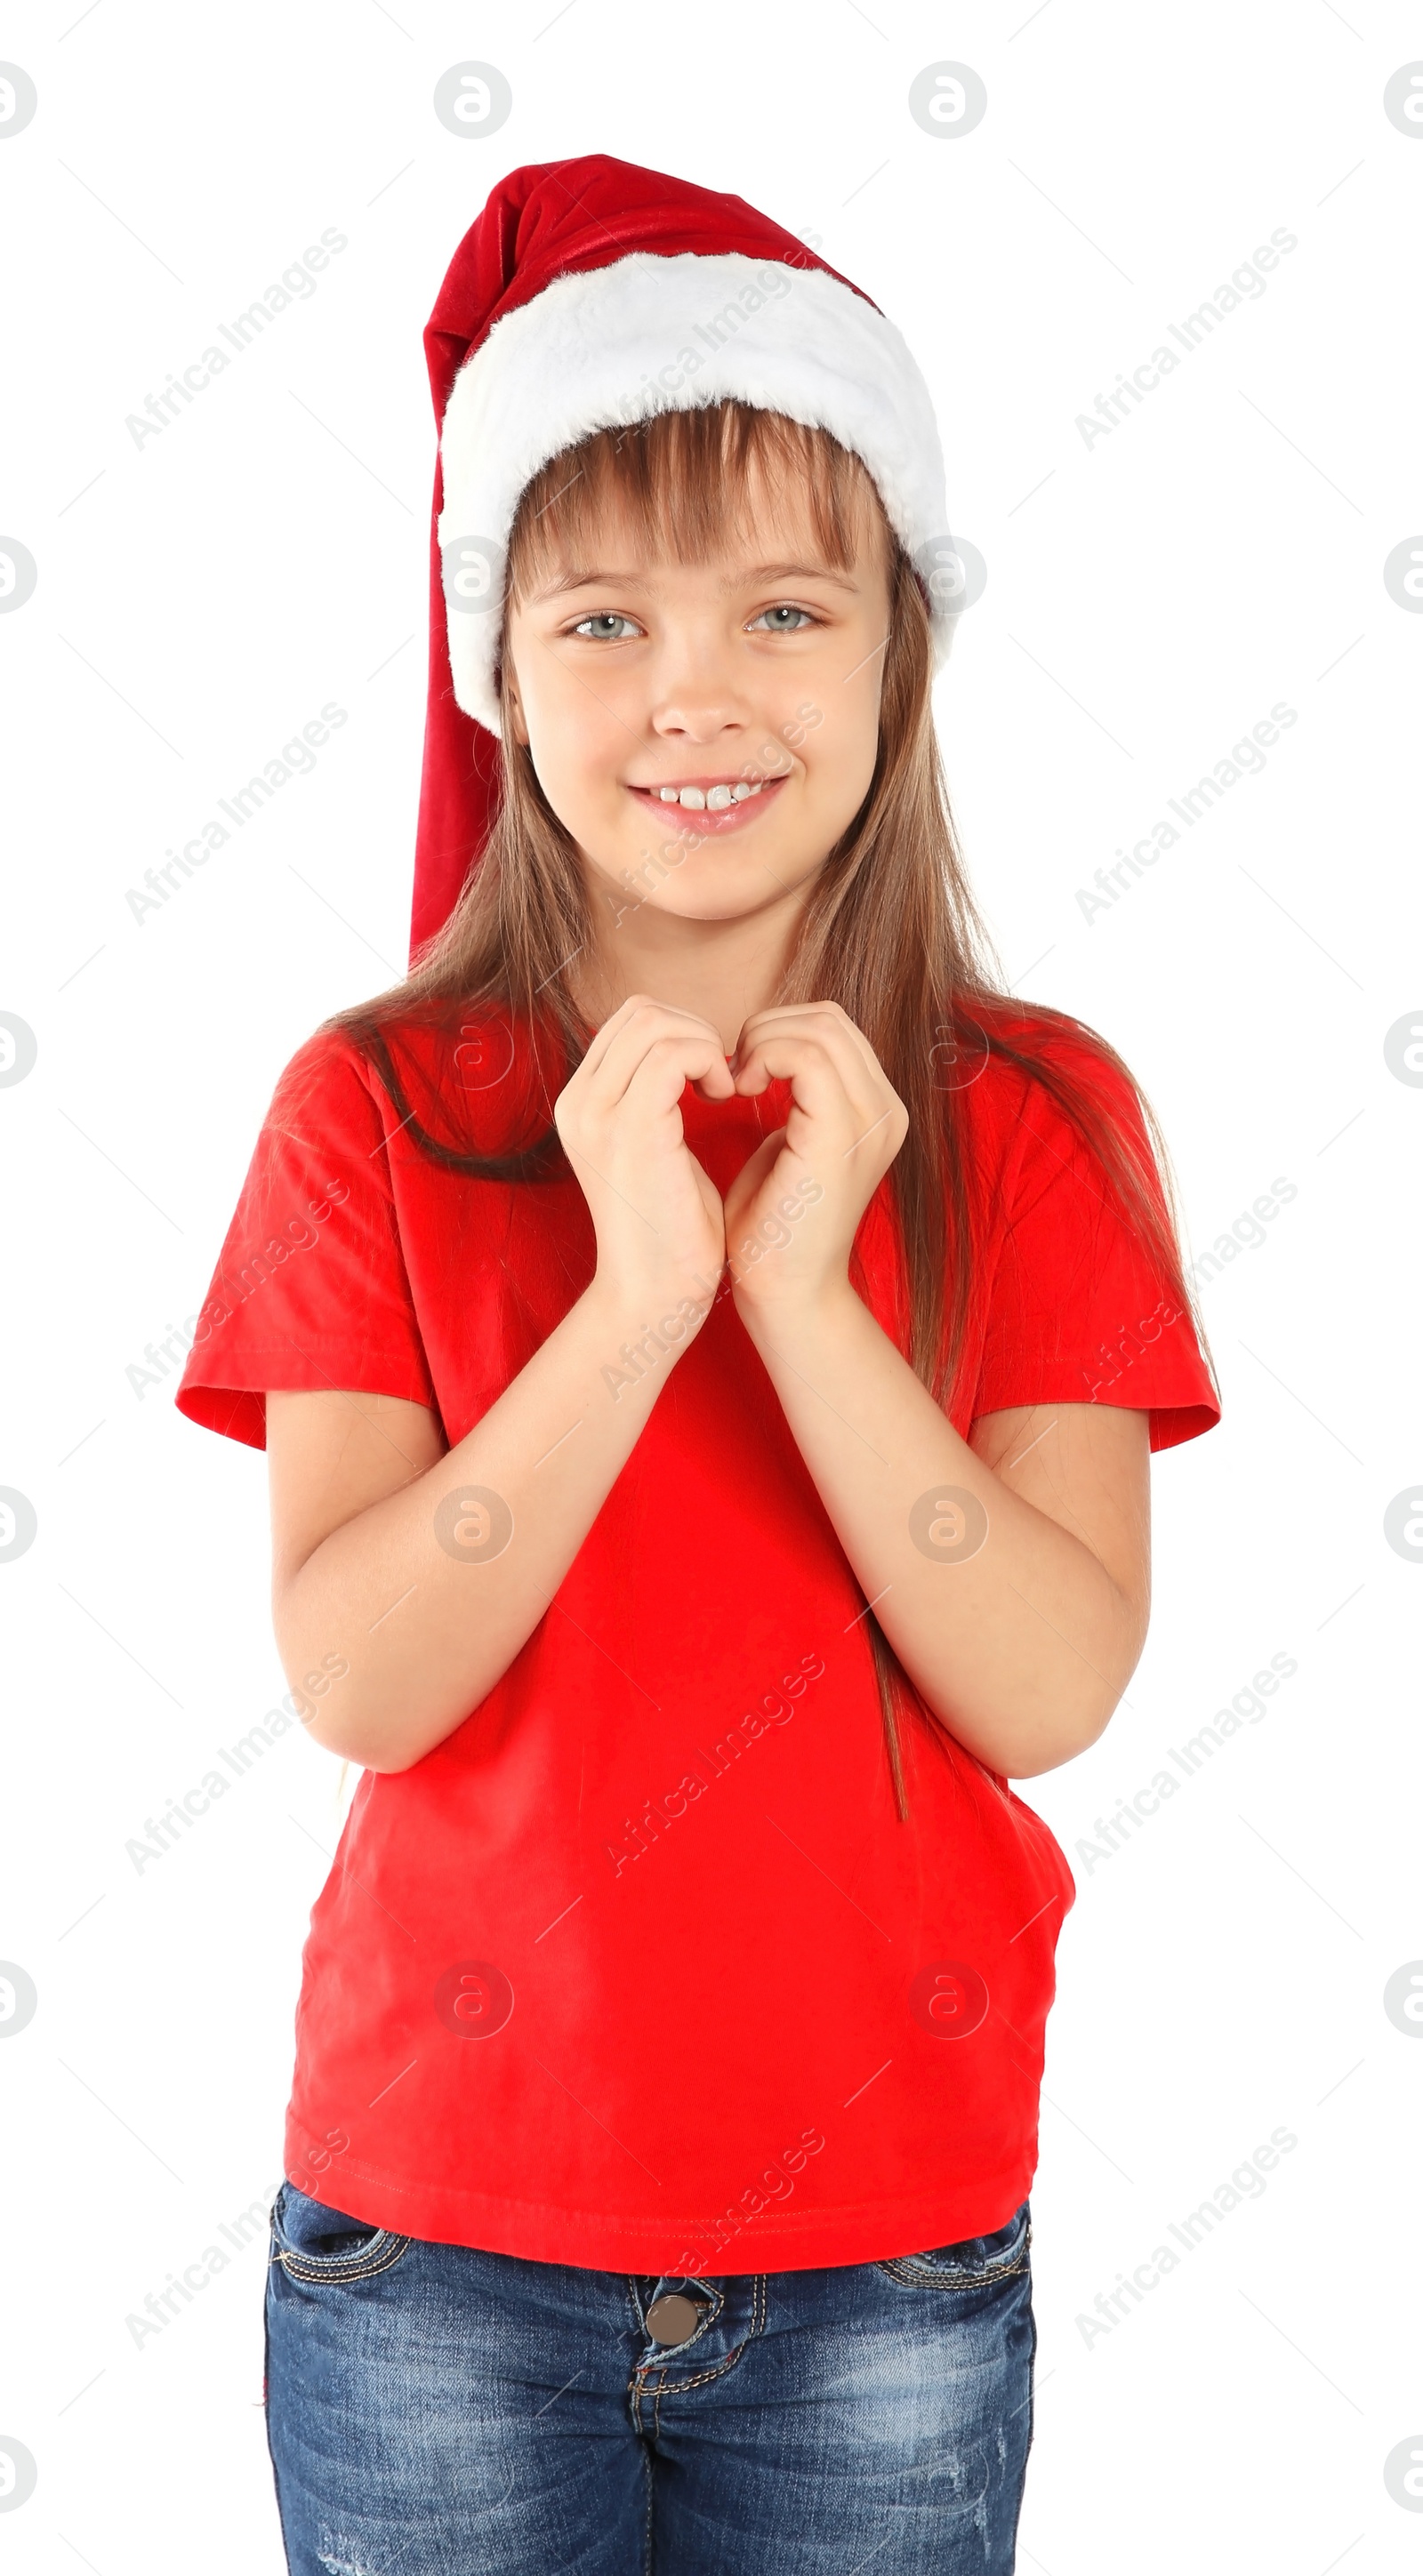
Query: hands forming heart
pixel 792 1211
pixel 790 1216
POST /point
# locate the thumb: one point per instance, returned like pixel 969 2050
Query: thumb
pixel 751 1175
pixel 711 1201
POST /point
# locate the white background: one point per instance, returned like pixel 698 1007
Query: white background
pixel 1149 598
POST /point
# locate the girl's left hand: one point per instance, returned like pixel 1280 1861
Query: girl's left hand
pixel 793 1209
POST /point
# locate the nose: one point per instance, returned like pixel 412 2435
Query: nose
pixel 700 700
pixel 704 719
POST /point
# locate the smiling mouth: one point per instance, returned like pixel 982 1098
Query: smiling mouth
pixel 702 805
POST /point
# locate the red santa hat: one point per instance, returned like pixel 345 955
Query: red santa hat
pixel 588 295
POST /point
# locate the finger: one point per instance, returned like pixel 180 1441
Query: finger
pixel 835 1020
pixel 742 1196
pixel 656 1025
pixel 848 1044
pixel 828 1080
pixel 603 1038
pixel 615 1029
pixel 657 1081
pixel 711 1200
pixel 754 1170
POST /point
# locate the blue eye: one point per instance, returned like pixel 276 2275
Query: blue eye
pixel 773 621
pixel 602 628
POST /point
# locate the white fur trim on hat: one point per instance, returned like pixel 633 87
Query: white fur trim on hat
pixel 614 345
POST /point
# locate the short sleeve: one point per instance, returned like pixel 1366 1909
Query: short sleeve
pixel 310 1289
pixel 1078 1312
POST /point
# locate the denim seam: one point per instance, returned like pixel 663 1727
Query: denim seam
pixel 677 2387
pixel 973 2281
pixel 343 2267
pixel 282 2500
pixel 900 2268
pixel 1032 2413
pixel 647 2519
pixel 711 2308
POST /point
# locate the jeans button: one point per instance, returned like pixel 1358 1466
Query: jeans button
pixel 673 2319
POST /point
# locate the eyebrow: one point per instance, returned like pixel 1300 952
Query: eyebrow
pixel 625 579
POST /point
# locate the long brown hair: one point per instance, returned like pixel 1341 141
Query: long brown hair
pixel 890 929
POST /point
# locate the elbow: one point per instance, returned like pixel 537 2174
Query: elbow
pixel 1100 1685
pixel 385 1764
pixel 342 1725
pixel 1048 1728
pixel 318 1693
pixel 344 1733
pixel 1088 1722
pixel 309 1697
pixel 351 1716
pixel 1058 1740
pixel 1076 1721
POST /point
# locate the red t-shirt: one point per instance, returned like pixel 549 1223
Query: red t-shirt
pixel 639 1969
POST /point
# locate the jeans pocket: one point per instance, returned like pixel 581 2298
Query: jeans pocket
pixel 314 2243
pixel 976 2263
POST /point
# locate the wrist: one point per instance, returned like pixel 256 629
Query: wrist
pixel 670 1313
pixel 807 1309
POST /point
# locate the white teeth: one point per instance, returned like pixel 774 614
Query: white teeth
pixel 714 799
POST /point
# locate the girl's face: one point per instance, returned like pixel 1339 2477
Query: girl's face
pixel 705 731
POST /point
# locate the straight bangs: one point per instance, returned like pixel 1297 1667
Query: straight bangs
pixel 676 482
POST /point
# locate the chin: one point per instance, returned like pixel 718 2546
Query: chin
pixel 727 881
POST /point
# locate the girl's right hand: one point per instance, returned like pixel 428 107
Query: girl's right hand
pixel 656 1215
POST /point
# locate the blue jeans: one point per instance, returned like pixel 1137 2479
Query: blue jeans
pixel 435 2411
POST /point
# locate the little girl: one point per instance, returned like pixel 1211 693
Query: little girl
pixel 708 1339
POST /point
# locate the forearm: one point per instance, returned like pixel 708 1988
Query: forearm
pixel 431 1592
pixel 1023 1644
